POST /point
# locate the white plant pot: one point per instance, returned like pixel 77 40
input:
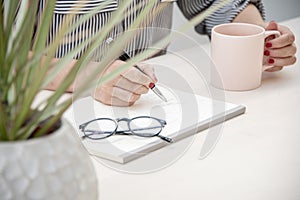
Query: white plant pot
pixel 51 167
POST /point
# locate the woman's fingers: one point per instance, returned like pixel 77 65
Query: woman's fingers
pixel 137 76
pixel 283 52
pixel 130 86
pixel 280 51
pixel 115 96
pixel 287 38
pixel 282 61
pixel 126 88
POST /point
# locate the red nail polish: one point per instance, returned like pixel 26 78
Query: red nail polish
pixel 271 61
pixel 266 53
pixel 268 45
pixel 151 85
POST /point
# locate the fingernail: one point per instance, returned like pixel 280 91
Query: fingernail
pixel 268 45
pixel 151 85
pixel 271 61
pixel 266 53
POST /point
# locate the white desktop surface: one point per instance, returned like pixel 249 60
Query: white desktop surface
pixel 256 158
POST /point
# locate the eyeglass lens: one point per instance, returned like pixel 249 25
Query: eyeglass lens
pixel 100 128
pixel 145 127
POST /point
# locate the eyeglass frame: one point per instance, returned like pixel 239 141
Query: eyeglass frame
pixel 123 132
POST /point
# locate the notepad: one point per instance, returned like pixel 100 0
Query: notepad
pixel 185 113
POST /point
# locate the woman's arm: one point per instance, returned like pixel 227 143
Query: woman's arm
pixel 123 90
pixel 226 14
pixel 251 15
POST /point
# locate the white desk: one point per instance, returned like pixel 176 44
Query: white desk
pixel 256 158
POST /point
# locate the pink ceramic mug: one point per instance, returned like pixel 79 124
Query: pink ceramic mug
pixel 237 55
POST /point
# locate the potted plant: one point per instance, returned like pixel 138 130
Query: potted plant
pixel 40 156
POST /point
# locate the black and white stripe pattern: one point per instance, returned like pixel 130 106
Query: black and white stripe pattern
pixel 226 14
pixel 84 6
pixel 155 27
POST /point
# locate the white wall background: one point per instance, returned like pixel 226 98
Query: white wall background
pixel 278 10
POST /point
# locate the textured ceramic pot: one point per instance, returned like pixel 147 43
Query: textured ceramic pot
pixel 51 167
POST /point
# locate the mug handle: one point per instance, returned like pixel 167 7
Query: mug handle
pixel 267 34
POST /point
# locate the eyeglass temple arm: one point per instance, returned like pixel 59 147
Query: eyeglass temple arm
pixel 125 132
pixel 167 139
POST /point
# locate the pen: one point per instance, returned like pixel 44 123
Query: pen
pixel 152 86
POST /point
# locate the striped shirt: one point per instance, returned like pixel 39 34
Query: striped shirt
pixel 157 26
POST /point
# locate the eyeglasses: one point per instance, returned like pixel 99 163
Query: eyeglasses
pixel 143 126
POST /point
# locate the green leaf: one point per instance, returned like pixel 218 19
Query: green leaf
pixel 3 123
pixel 22 78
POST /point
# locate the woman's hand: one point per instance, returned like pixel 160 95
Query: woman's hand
pixel 280 51
pixel 126 88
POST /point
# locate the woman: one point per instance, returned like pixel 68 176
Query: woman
pixel 125 89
